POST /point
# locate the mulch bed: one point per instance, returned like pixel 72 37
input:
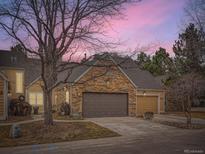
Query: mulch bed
pixel 38 133
pixel 16 119
pixel 194 114
pixel 56 116
pixel 180 125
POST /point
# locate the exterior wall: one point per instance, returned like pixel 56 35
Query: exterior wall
pixel 35 88
pixel 60 97
pixel 1 98
pixel 11 75
pixel 114 82
pixel 161 95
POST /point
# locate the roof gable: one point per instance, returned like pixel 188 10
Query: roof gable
pixel 139 78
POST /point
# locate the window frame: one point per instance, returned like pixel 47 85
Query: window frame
pixel 36 94
pixel 22 84
pixel 67 95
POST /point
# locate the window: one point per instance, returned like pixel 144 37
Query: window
pixel 36 98
pixel 19 82
pixel 13 59
pixel 67 96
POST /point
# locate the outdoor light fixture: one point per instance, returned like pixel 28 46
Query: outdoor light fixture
pixel 64 88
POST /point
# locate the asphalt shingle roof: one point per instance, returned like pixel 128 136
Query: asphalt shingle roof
pixel 141 78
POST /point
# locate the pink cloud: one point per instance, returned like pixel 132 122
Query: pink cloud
pixel 142 19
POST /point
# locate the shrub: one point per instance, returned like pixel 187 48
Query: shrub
pixel 35 109
pixel 148 115
pixel 65 109
pixel 19 107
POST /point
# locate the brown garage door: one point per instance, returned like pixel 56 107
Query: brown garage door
pixel 146 104
pixel 104 105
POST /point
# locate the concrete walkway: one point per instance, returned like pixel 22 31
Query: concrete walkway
pixel 178 119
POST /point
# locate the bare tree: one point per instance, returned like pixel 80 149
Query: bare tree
pixel 195 11
pixel 183 92
pixel 49 29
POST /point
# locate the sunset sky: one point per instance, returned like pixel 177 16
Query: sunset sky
pixel 151 23
pixel 148 23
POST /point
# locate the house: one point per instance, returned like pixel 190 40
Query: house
pixel 105 86
pixel 21 72
pixel 3 96
pixel 121 90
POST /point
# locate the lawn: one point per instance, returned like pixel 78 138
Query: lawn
pixel 37 133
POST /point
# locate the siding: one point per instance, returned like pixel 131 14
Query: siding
pixel 11 74
pixel 1 97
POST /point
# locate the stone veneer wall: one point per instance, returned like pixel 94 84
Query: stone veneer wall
pixel 96 80
pixel 60 95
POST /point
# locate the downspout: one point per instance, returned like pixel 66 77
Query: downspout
pixel 6 99
pixel 136 104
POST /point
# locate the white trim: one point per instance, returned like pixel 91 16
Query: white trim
pixel 30 84
pixel 22 72
pixel 12 68
pixel 26 93
pixel 3 76
pixel 124 73
pixel 136 104
pixel 76 80
pixel 158 90
pixel 158 100
pixel 36 98
pixel 5 99
pixel 164 96
pixel 158 107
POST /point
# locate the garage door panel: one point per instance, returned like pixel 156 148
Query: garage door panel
pixel 104 104
pixel 147 104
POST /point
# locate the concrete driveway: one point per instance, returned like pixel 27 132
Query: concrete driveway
pixel 132 127
pixel 138 136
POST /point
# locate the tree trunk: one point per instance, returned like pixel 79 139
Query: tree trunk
pixel 189 120
pixel 48 117
pixel 188 114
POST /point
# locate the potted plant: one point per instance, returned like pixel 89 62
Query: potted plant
pixel 148 115
pixel 35 109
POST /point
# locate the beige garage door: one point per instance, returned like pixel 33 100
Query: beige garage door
pixel 147 104
pixel 1 97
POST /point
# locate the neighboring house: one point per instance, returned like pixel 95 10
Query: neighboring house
pixel 198 103
pixel 92 91
pixel 3 96
pixel 22 72
pixel 124 90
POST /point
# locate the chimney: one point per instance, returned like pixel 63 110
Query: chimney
pixel 85 56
